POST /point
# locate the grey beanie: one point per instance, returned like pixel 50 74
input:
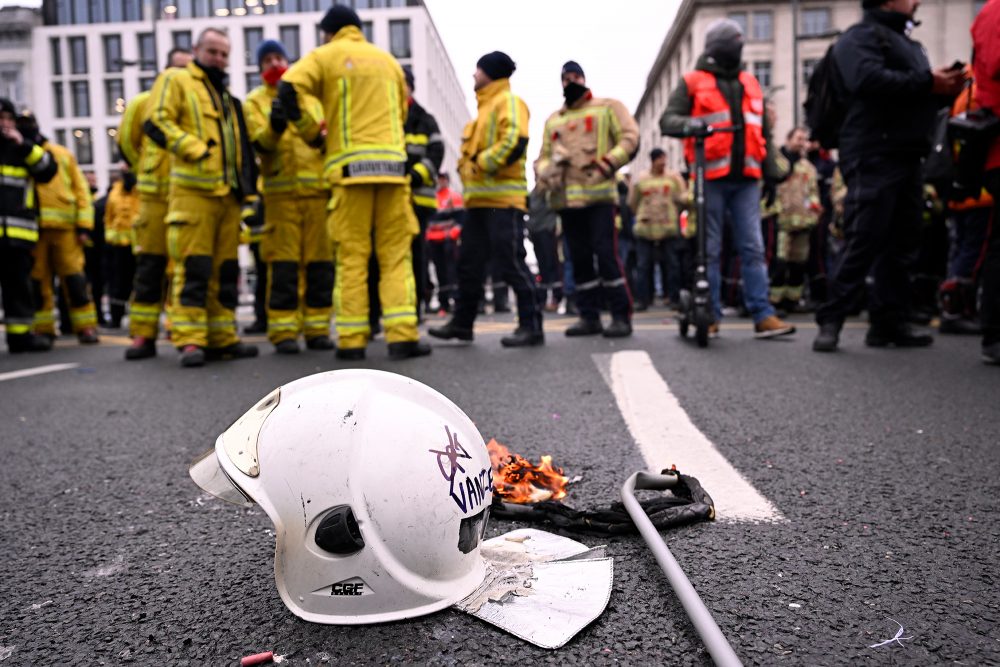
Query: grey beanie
pixel 722 31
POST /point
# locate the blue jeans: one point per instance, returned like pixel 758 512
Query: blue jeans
pixel 742 201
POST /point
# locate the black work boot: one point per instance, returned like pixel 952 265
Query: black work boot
pixel 192 356
pixel 28 343
pixel 618 328
pixel 900 335
pixel 828 337
pixel 141 348
pixel 585 327
pixel 524 336
pixel 234 351
pixel 351 353
pixel 408 349
pixel 320 343
pixel 288 346
pixel 451 330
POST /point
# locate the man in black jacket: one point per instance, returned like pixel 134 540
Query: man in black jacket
pixel 893 98
pixel 22 164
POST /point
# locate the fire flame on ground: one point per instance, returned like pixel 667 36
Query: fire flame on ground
pixel 517 480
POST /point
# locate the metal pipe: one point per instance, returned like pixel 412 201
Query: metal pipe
pixel 718 647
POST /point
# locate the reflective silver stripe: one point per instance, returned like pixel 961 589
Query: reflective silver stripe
pixel 752 162
pixel 618 282
pixel 23 223
pixel 14 181
pixel 425 192
pixel 430 169
pixel 753 118
pixel 717 117
pixel 590 284
pixel 718 164
pixel 416 149
pixel 435 138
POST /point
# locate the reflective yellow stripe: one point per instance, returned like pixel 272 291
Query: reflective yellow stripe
pixel 345 112
pixel 36 154
pixel 30 235
pixel 16 172
pixel 394 116
pixel 427 202
pixel 18 329
pixel 416 139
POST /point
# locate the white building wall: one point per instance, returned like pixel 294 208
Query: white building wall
pixel 16 29
pixel 437 87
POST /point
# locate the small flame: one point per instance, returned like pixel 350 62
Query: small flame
pixel 517 480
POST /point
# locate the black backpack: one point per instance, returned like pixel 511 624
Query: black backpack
pixel 826 102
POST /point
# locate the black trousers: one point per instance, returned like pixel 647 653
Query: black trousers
pixel 882 218
pixel 549 267
pixel 593 249
pixel 260 287
pixel 420 271
pixel 497 234
pixel 16 290
pixel 444 256
pixel 668 254
pixel 122 266
pixel 989 316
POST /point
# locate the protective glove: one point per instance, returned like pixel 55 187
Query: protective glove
pixel 605 167
pixel 696 127
pixel 85 237
pixel 279 119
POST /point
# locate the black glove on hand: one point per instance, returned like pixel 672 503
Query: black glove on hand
pixel 279 119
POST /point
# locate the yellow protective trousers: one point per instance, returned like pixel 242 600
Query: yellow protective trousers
pixel 202 240
pixel 58 252
pixel 150 247
pixel 299 253
pixel 362 214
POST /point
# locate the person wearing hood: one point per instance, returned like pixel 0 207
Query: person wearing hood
pixel 584 144
pixel 295 244
pixel 212 177
pixel 120 213
pixel 721 94
pixel 491 165
pixel 893 100
pixel 362 90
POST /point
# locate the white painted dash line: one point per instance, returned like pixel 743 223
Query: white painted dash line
pixel 38 370
pixel 666 436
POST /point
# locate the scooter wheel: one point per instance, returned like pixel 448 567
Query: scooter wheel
pixel 701 335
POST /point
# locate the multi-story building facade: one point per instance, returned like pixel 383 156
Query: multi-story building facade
pixel 91 56
pixel 16 81
pixel 770 51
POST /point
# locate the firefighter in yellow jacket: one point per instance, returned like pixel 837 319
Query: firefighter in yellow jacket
pixel 296 240
pixel 151 164
pixel 496 197
pixel 66 220
pixel 363 93
pixel 583 145
pixel 120 214
pixel 212 174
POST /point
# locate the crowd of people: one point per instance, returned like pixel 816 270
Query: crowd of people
pixel 332 172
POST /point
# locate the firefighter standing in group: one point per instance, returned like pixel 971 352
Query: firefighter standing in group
pixel 120 214
pixel 443 232
pixel 296 241
pixel 363 93
pixel 23 164
pixel 66 219
pixel 212 175
pixel 584 144
pixel 151 163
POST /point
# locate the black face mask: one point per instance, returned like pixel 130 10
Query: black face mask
pixel 128 181
pixel 727 54
pixel 216 76
pixel 573 91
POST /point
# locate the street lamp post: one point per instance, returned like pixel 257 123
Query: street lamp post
pixel 795 63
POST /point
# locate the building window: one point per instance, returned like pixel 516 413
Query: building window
pixel 83 146
pixel 808 66
pixel 97 11
pixel 741 19
pixel 252 37
pixel 112 53
pixel 815 21
pixel 78 55
pixel 762 72
pixel 56 52
pixel 368 31
pixel 61 137
pixel 58 102
pixel 80 91
pixel 133 10
pixel 182 39
pixel 147 51
pixel 399 38
pixel 114 97
pixel 10 83
pixel 761 27
pixel 289 36
pixel 146 82
pixel 253 81
pixel 114 151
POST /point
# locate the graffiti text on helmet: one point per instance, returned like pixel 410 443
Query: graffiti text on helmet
pixel 467 488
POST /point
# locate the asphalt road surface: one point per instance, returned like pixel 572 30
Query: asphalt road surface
pixel 882 466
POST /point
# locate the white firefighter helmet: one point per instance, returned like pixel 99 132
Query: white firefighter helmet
pixel 379 489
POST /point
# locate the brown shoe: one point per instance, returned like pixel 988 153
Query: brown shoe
pixel 713 330
pixel 772 327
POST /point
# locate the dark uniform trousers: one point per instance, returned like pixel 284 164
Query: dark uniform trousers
pixel 990 313
pixel 15 288
pixel 882 217
pixel 497 234
pixel 590 232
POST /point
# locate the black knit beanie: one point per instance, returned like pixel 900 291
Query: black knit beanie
pixel 497 65
pixel 339 16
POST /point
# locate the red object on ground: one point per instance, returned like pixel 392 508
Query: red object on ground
pixel 259 659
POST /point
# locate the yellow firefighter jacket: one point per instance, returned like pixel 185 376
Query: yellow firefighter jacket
pixel 65 201
pixel 363 94
pixel 797 202
pixel 289 166
pixel 493 150
pixel 656 200
pixel 150 163
pixel 577 143
pixel 200 127
pixel 120 214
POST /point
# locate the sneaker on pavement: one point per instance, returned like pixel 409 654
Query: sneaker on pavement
pixel 141 348
pixel 584 327
pixel 451 330
pixel 617 329
pixel 828 337
pixel 991 354
pixel 713 330
pixel 288 346
pixel 192 356
pixel 902 335
pixel 959 326
pixel 320 343
pixel 88 336
pixel 772 327
pixel 234 351
pixel 523 337
pixel 408 350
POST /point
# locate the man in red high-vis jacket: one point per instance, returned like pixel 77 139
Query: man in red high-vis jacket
pixel 719 93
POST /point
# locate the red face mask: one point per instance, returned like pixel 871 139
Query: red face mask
pixel 273 75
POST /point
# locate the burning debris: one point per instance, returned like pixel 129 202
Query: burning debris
pixel 517 480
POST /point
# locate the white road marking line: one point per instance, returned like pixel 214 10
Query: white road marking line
pixel 666 436
pixel 39 370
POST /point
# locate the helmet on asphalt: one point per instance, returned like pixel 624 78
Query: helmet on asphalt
pixel 379 489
